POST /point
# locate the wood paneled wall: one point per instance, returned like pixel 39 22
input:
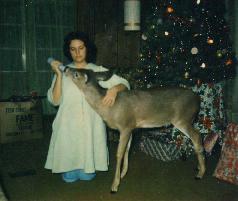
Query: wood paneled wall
pixel 103 21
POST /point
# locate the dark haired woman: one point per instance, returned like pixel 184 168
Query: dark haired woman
pixel 78 143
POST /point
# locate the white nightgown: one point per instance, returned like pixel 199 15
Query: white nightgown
pixel 78 139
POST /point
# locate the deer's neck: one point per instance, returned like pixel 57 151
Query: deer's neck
pixel 94 95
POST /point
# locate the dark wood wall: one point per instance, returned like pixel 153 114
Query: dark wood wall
pixel 103 21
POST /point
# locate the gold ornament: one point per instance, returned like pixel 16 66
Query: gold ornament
pixel 210 41
pixel 194 50
pixel 186 75
pixel 170 9
pixel 219 53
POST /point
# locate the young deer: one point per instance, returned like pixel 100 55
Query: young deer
pixel 141 109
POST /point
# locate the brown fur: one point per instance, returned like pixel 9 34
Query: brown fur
pixel 142 109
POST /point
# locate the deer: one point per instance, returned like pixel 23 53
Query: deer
pixel 147 108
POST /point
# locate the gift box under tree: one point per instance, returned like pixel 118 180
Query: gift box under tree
pixel 227 167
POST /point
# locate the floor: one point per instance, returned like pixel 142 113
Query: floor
pixel 25 179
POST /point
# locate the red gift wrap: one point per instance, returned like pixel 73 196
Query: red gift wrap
pixel 227 167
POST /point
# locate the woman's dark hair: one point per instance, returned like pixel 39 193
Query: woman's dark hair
pixel 91 50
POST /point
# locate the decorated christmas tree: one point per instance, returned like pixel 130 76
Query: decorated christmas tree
pixel 187 43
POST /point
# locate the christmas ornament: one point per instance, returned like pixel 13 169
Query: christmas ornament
pixel 210 41
pixel 192 20
pixel 194 50
pixel 148 86
pixel 186 75
pixel 181 50
pixel 158 58
pixel 149 54
pixel 219 53
pixel 170 9
pixel 224 51
pixel 203 65
pixel 198 82
pixel 229 62
pixel 160 21
pixel 144 37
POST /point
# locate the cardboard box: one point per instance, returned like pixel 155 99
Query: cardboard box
pixel 20 121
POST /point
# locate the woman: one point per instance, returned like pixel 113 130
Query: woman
pixel 78 144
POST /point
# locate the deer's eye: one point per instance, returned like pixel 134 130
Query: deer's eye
pixel 76 75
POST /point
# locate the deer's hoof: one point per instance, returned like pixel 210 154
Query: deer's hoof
pixel 196 169
pixel 113 192
pixel 200 174
pixel 114 187
pixel 198 178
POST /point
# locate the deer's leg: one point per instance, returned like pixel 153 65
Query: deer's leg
pixel 125 159
pixel 124 138
pixel 194 135
pixel 197 143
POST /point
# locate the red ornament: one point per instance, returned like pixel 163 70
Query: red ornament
pixel 228 62
pixel 199 82
pixel 158 58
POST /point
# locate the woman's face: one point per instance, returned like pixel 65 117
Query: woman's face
pixel 78 51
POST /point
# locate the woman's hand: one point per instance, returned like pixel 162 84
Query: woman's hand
pixel 55 67
pixel 110 97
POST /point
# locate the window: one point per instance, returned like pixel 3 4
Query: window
pixel 12 40
pixel 31 31
pixel 53 19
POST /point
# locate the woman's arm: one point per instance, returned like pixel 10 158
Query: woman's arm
pixel 114 85
pixel 56 89
pixel 110 97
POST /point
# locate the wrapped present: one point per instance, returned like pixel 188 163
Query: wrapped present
pixel 227 167
pixel 231 137
pixel 157 145
pixel 210 141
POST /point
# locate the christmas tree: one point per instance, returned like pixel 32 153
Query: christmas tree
pixel 185 42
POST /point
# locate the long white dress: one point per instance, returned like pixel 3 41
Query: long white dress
pixel 78 138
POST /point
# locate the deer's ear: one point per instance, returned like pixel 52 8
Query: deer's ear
pixel 102 76
pixel 85 78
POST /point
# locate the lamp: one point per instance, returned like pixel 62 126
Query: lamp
pixel 132 15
